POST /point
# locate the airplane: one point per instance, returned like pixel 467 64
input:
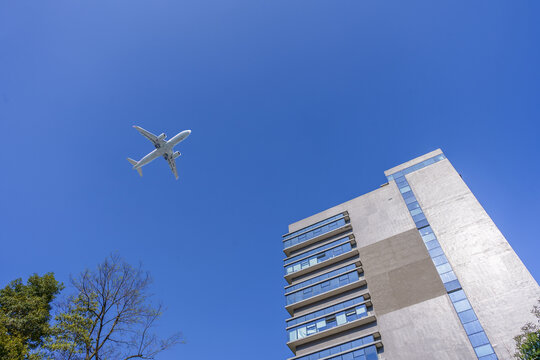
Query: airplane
pixel 163 148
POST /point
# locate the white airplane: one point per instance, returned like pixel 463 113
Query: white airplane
pixel 163 148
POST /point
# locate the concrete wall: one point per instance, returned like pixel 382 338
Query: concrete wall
pixel 424 331
pixel 374 216
pixel 499 287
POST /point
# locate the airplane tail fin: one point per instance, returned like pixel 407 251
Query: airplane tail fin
pixel 133 162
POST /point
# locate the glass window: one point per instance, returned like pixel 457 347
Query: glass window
pixel 472 327
pixel 350 348
pixel 416 211
pixel 457 295
pixel 483 350
pixel 316 250
pixel 410 200
pixel 462 305
pixel 413 205
pixel 478 339
pixel 418 217
pixel 452 285
pixel 341 319
pixel 371 353
pixel 421 223
pixel 435 252
pixel 425 231
pixel 432 244
pixel 449 276
pixel 407 195
pixel 488 357
pixel 467 316
pixel 320 223
pixel 428 237
pixel 313 233
pixel 439 260
pixel 444 268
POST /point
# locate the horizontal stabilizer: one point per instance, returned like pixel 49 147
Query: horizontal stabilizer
pixel 133 162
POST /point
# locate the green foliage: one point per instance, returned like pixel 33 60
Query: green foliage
pixel 25 314
pixel 110 316
pixel 70 336
pixel 528 342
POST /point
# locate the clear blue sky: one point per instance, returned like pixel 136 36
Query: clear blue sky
pixel 295 106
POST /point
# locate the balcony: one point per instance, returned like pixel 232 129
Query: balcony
pixel 341 229
pixel 325 295
pixel 372 341
pixel 326 262
pixel 332 331
pixel 316 232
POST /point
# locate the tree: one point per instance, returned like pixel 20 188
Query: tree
pixel 528 342
pixel 25 314
pixel 109 317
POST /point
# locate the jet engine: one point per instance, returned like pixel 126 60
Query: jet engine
pixel 176 154
pixel 162 136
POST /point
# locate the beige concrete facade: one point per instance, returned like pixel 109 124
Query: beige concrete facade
pixel 413 315
pixel 499 286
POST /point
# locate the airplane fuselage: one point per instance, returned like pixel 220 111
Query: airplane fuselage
pixel 165 149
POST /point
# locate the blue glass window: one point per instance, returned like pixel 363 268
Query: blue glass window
pixel 472 327
pixel 488 357
pixel 313 233
pixel 478 339
pixel 438 260
pixel 319 278
pixel 320 223
pixel 436 252
pixel 457 295
pixel 356 348
pixel 467 316
pixel 432 244
pixel 325 311
pixel 327 322
pixel 316 250
pixel 462 305
pixel 483 350
pixel 318 258
pixel 452 285
pixel 443 268
pixel 321 288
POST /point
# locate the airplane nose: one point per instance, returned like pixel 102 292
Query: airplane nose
pixel 188 132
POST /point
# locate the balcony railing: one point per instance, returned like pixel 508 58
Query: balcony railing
pixel 315 230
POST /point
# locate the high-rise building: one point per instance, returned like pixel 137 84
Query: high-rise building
pixel 415 269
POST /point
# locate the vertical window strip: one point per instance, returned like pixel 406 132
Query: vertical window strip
pixel 474 330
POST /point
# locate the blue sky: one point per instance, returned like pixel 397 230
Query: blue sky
pixel 295 106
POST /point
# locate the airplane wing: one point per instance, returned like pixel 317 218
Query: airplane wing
pixel 172 165
pixel 147 134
